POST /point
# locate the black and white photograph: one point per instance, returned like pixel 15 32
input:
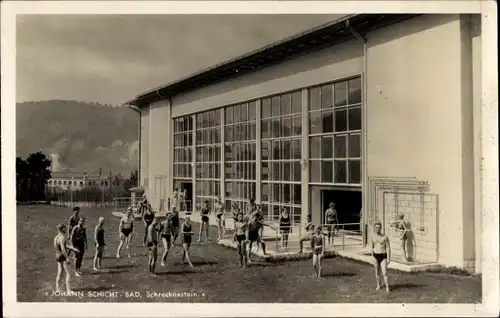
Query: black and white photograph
pixel 183 154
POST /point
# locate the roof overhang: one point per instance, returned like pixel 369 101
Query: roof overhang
pixel 326 35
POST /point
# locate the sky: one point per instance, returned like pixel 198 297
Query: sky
pixel 112 58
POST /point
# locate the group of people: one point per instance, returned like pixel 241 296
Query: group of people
pixel 248 229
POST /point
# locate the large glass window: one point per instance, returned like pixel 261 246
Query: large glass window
pixel 281 154
pixel 208 156
pixel 335 132
pixel 183 147
pixel 240 152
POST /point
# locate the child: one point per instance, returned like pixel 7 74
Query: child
pixel 318 248
pixel 99 243
pixel 285 227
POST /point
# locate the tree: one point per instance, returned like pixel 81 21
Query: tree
pixel 131 181
pixel 32 174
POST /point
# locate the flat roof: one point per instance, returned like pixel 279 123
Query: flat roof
pixel 326 35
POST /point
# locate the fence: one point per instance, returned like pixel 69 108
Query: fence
pixel 84 198
pixel 345 236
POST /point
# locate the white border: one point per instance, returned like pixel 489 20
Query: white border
pixel 490 304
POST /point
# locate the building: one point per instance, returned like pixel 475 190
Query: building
pixel 378 111
pixel 66 180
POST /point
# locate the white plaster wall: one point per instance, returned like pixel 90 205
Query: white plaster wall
pixel 415 107
pixel 144 164
pixel 327 65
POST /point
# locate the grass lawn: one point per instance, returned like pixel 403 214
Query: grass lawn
pixel 216 276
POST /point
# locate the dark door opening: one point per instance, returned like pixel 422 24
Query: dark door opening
pixel 348 206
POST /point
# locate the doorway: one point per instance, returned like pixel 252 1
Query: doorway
pixel 188 185
pixel 348 204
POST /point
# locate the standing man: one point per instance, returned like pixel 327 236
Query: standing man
pixel 152 243
pixel 78 238
pixel 331 220
pixel 99 243
pixel 174 201
pixel 72 222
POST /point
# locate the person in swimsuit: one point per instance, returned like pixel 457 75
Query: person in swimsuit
pixel 331 220
pixel 73 221
pixel 78 238
pixel 147 217
pixel 219 216
pixel 187 234
pixel 175 225
pixel 174 200
pixel 260 223
pixel 152 244
pixel 166 234
pixel 235 211
pixel 251 207
pixel 309 227
pixel 205 224
pixel 253 224
pixel 318 249
pixel 62 258
pixel 240 238
pixel 182 200
pixel 99 243
pixel 126 231
pixel 402 227
pixel 381 252
pixel 285 227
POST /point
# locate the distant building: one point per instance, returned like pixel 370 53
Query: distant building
pixel 66 180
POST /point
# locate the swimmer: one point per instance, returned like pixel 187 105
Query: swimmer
pixel 147 218
pixel 254 223
pixel 285 227
pixel 126 231
pixel 318 248
pixel 186 233
pixel 62 259
pixel 152 244
pixel 175 225
pixel 220 217
pixel 331 220
pixel 99 243
pixel 166 234
pixel 309 227
pixel 381 253
pixel 78 238
pixel 240 238
pixel 205 224
pixel 73 221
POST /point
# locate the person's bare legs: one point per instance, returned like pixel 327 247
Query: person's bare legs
pixel 377 276
pixel 241 253
pixel 248 248
pixel 319 265
pixel 68 276
pixel 219 229
pixel 403 248
pixel 122 241
pixel 315 264
pixel 166 248
pixel 185 255
pixel 383 267
pixel 207 228
pixel 129 245
pixel 59 274
pixel 201 231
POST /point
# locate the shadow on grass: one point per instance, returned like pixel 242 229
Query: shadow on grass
pixel 201 262
pixel 405 285
pixel 339 274
pixel 107 271
pixel 121 266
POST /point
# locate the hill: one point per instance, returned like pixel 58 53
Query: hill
pixel 84 136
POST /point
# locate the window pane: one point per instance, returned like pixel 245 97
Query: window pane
pixel 315 147
pixel 252 131
pixel 297 102
pixel 297 193
pixel 315 170
pixel 276 193
pixel 327 147
pixel 275 106
pixel 354 171
pixel 314 122
pixel 276 171
pixel 286 173
pixel 296 125
pixel 286 104
pixel 340 171
pixel 297 216
pixel 236 113
pixel 229 133
pixel 266 107
pixel 229 115
pixel 265 129
pixel 339 145
pixel 341 120
pixel 355 90
pixel 355 118
pixel 286 125
pixel 275 150
pixel 340 93
pixel 296 148
pixel 244 112
pixel 327 171
pixel 265 150
pixel 326 96
pixel 265 170
pixel 276 127
pixel 327 118
pixel 252 107
pixel 314 99
pixel 354 146
pixel 297 171
pixel 286 149
pixel 287 198
pixel 265 192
